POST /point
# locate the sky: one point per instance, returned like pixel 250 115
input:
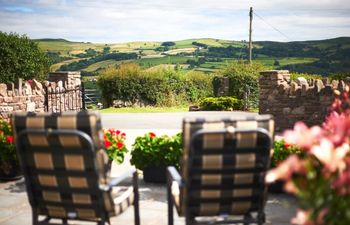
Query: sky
pixel 115 21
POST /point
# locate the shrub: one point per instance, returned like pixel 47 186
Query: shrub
pixel 21 58
pixel 221 103
pixel 243 77
pixel 151 150
pixel 7 145
pixel 114 141
pixel 163 87
pixel 319 177
pixel 281 151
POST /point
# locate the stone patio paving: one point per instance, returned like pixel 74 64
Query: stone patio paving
pixel 15 209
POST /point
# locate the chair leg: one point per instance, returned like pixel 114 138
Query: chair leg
pixel 34 217
pixel 136 198
pixel 170 204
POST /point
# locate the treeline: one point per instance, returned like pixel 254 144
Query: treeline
pixel 56 57
pixel 87 62
pixel 164 87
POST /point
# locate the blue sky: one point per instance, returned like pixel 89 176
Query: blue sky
pixel 112 21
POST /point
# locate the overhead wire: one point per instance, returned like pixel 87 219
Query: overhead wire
pixel 276 29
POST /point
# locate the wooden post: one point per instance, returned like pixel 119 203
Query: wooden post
pixel 250 34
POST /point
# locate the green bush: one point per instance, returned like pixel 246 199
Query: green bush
pixel 243 77
pixel 281 151
pixel 163 87
pixel 21 58
pixel 156 151
pixel 221 104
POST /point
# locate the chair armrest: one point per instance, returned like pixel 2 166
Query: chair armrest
pixel 116 180
pixel 173 175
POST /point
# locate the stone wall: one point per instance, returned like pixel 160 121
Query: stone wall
pixel 291 101
pixel 30 96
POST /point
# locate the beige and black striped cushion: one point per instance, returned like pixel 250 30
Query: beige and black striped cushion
pixel 214 193
pixel 64 176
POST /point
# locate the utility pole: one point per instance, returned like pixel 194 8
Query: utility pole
pixel 250 34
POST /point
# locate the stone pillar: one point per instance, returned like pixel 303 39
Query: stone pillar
pixel 69 79
pixel 223 86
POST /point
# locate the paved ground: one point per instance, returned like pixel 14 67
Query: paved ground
pixel 15 210
pixel 159 120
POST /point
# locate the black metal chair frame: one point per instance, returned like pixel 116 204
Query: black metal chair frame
pixel 174 176
pixel 90 150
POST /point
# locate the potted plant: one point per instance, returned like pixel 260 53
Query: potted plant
pixel 9 165
pixel 153 154
pixel 114 141
pixel 320 178
pixel 281 151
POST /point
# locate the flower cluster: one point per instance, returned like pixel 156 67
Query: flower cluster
pixel 114 141
pixel 320 177
pixel 281 151
pixel 7 145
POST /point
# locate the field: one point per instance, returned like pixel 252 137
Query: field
pixel 323 57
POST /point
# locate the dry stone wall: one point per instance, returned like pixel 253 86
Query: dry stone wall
pixel 291 101
pixel 30 96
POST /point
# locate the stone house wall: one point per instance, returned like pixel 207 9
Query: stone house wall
pixel 29 96
pixel 291 101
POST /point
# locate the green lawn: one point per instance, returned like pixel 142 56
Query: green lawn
pixel 144 109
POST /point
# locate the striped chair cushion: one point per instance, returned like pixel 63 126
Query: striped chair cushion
pixel 225 172
pixel 63 176
pixel 88 122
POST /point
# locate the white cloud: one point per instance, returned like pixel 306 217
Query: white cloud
pixel 129 20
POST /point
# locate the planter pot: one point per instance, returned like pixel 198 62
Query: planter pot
pixel 155 174
pixel 276 187
pixel 10 170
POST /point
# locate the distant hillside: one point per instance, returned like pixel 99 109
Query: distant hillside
pixel 323 57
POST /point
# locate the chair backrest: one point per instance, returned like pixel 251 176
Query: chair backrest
pixel 63 163
pixel 224 164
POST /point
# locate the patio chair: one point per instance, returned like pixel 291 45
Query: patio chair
pixel 65 169
pixel 223 167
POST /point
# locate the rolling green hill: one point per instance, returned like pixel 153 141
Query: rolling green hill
pixel 323 57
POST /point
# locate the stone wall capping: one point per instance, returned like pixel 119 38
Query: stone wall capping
pixel 301 100
pixel 30 95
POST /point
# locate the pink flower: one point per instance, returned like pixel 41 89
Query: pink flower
pixel 303 136
pixel 152 134
pixel 123 134
pixel 118 132
pixel 342 184
pixel 331 157
pixel 285 169
pixel 338 126
pixel 302 218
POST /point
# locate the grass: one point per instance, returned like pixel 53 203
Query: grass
pixel 150 62
pixel 269 61
pixel 103 64
pixel 144 109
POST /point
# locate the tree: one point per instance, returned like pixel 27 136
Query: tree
pixel 168 43
pixel 21 58
pixel 276 63
pixel 243 78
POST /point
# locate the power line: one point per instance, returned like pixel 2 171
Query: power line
pixel 272 26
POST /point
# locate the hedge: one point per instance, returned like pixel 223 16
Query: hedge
pixel 163 87
pixel 221 104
